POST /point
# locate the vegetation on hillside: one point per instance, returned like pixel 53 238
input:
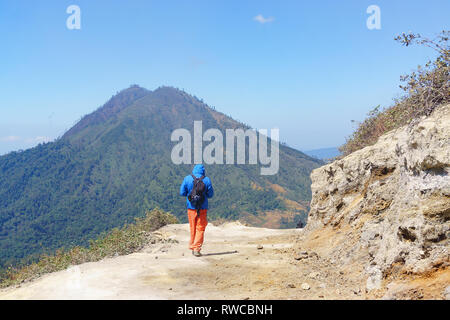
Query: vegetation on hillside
pixel 128 239
pixel 425 89
pixel 115 164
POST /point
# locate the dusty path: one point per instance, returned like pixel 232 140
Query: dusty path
pixel 232 268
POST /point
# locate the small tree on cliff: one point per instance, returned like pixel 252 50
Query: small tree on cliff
pixel 425 89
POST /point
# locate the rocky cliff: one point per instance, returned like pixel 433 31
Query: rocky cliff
pixel 382 213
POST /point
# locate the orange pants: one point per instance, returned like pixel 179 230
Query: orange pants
pixel 197 225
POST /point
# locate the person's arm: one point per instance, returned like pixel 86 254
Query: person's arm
pixel 209 189
pixel 183 188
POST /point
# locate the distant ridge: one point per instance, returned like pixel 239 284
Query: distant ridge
pixel 323 153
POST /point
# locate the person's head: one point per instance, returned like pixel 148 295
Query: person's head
pixel 199 169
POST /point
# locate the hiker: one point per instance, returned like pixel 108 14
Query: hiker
pixel 197 188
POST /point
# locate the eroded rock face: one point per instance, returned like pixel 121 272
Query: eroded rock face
pixel 392 199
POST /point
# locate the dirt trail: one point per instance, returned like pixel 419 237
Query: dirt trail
pixel 232 267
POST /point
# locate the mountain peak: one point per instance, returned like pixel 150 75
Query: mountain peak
pixel 171 91
pixel 117 103
pixel 129 93
pixel 166 95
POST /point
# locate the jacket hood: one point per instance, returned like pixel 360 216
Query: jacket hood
pixel 199 169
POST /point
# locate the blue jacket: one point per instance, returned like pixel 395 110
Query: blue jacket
pixel 188 184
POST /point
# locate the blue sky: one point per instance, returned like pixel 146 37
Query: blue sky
pixel 309 69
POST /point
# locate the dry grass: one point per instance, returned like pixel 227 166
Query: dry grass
pixel 128 239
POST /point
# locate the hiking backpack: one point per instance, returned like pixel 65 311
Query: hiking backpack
pixel 197 195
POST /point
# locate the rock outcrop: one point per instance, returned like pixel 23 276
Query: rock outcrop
pixel 384 210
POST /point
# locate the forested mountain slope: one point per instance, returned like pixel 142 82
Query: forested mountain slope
pixel 115 163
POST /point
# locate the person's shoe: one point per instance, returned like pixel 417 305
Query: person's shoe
pixel 196 253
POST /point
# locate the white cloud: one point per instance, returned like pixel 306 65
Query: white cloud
pixel 10 139
pixel 37 139
pixel 263 20
pixel 14 143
